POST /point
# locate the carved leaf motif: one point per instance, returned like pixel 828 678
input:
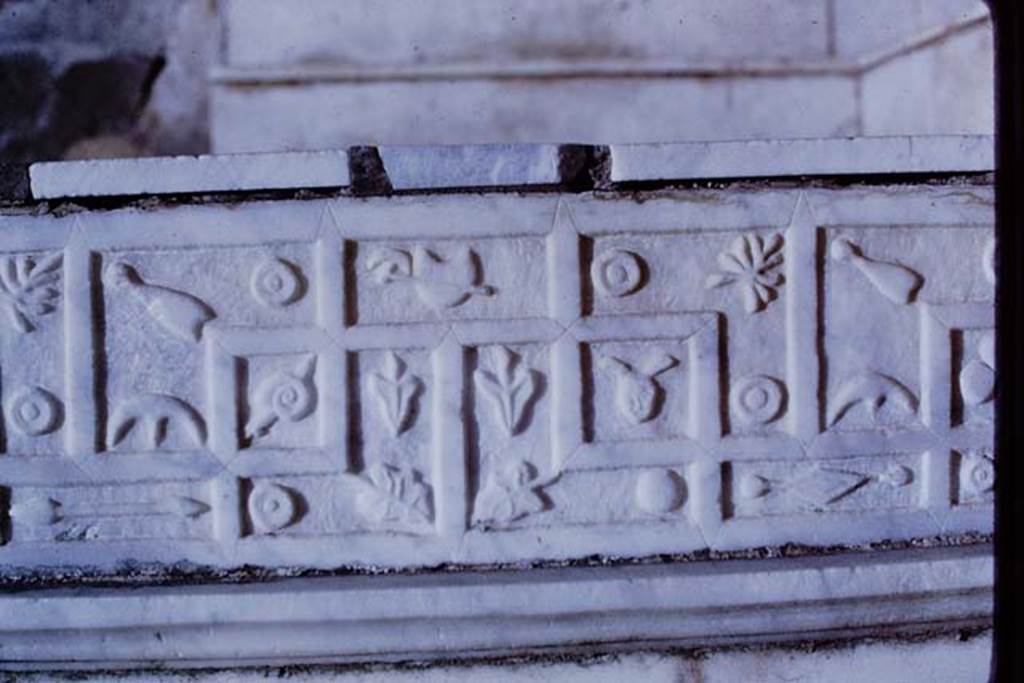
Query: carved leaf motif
pixel 394 495
pixel 511 493
pixel 29 288
pixel 510 387
pixel 396 390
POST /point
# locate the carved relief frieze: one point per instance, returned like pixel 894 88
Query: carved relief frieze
pixel 417 381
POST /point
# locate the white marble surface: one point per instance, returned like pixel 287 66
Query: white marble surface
pixel 581 109
pixel 415 167
pixel 584 71
pixel 262 33
pixel 500 166
pixel 823 156
pixel 944 659
pixel 508 377
pixel 185 174
pixel 499 613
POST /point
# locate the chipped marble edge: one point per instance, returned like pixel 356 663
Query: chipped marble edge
pixel 802 157
pixel 511 165
pixel 188 174
pixel 352 619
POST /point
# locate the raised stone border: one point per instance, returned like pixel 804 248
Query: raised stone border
pixel 471 614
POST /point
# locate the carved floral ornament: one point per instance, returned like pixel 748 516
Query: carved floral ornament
pixel 29 287
pixel 511 387
pixel 396 389
pixel 751 266
pixel 526 471
pixel 512 489
pixel 393 494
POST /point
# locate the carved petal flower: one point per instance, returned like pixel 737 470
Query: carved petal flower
pixel 750 263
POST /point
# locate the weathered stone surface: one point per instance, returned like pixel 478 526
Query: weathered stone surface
pixel 945 659
pixel 471 166
pixel 944 89
pixel 418 380
pixel 614 383
pixel 407 32
pixel 385 170
pixel 767 158
pixel 171 175
pixel 603 109
pixel 495 613
pixel 440 73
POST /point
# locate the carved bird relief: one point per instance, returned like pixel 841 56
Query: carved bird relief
pixel 894 281
pixel 181 314
pixel 440 280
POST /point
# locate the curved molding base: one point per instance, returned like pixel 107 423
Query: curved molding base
pixel 472 614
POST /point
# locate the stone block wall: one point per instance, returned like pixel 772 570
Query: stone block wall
pixel 442 72
pixel 121 78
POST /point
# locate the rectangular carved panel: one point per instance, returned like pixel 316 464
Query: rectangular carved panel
pixel 495 378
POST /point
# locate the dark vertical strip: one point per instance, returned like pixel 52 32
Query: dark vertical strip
pixel 99 350
pixel 1008 652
